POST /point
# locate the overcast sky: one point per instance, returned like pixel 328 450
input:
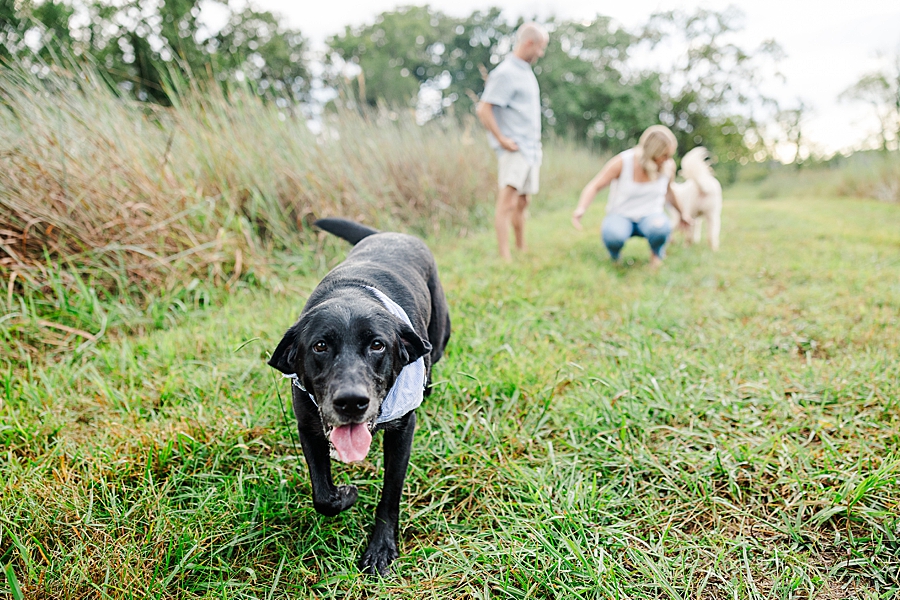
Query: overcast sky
pixel 829 44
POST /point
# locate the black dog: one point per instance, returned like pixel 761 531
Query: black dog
pixel 360 366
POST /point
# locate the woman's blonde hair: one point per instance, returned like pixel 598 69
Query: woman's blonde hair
pixel 656 141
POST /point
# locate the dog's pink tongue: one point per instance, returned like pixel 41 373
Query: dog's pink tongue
pixel 351 441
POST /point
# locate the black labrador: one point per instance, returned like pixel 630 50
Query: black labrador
pixel 352 351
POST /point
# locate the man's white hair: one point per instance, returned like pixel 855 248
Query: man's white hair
pixel 531 31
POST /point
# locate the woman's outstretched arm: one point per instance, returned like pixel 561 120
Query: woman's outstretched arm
pixel 611 170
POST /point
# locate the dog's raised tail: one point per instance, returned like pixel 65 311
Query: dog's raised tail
pixel 694 166
pixel 348 230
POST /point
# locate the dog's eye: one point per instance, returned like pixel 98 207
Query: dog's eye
pixel 320 346
pixel 377 345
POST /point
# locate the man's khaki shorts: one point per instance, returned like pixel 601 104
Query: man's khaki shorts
pixel 516 172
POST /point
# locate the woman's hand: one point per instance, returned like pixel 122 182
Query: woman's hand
pixel 576 218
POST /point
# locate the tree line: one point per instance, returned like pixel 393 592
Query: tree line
pixel 599 82
pixel 139 44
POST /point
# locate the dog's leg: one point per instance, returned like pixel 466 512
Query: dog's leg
pixel 328 498
pixel 383 546
pixel 715 225
pixel 696 229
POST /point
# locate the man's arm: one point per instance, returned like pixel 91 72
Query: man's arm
pixel 485 112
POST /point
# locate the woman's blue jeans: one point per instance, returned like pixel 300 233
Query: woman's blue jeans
pixel 618 229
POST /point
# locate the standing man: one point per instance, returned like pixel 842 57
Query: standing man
pixel 510 109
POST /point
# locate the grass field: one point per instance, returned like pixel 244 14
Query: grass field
pixel 726 427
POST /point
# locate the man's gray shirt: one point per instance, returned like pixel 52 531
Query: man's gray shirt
pixel 513 90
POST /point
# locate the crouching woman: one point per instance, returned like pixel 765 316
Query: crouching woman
pixel 640 179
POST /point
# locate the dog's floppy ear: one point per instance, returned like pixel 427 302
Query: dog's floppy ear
pixel 412 347
pixel 285 356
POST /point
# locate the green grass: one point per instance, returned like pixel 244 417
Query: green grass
pixel 726 427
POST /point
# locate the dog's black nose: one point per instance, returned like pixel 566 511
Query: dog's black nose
pixel 351 406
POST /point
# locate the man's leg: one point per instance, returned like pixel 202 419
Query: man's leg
pixel 507 204
pixel 518 219
pixel 616 230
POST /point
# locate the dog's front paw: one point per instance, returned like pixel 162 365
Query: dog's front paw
pixel 378 558
pixel 340 500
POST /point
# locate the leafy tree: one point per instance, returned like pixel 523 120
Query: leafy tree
pixel 881 90
pixel 256 45
pixel 396 54
pixel 140 44
pixel 712 90
pixel 24 23
pixel 790 121
pixel 414 48
pixel 479 42
pixel 588 91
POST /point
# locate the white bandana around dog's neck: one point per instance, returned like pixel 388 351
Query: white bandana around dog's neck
pixel 408 390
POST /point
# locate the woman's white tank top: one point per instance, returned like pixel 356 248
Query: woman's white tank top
pixel 633 200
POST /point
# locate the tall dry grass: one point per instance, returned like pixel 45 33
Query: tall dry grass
pixel 108 204
pixel 214 182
